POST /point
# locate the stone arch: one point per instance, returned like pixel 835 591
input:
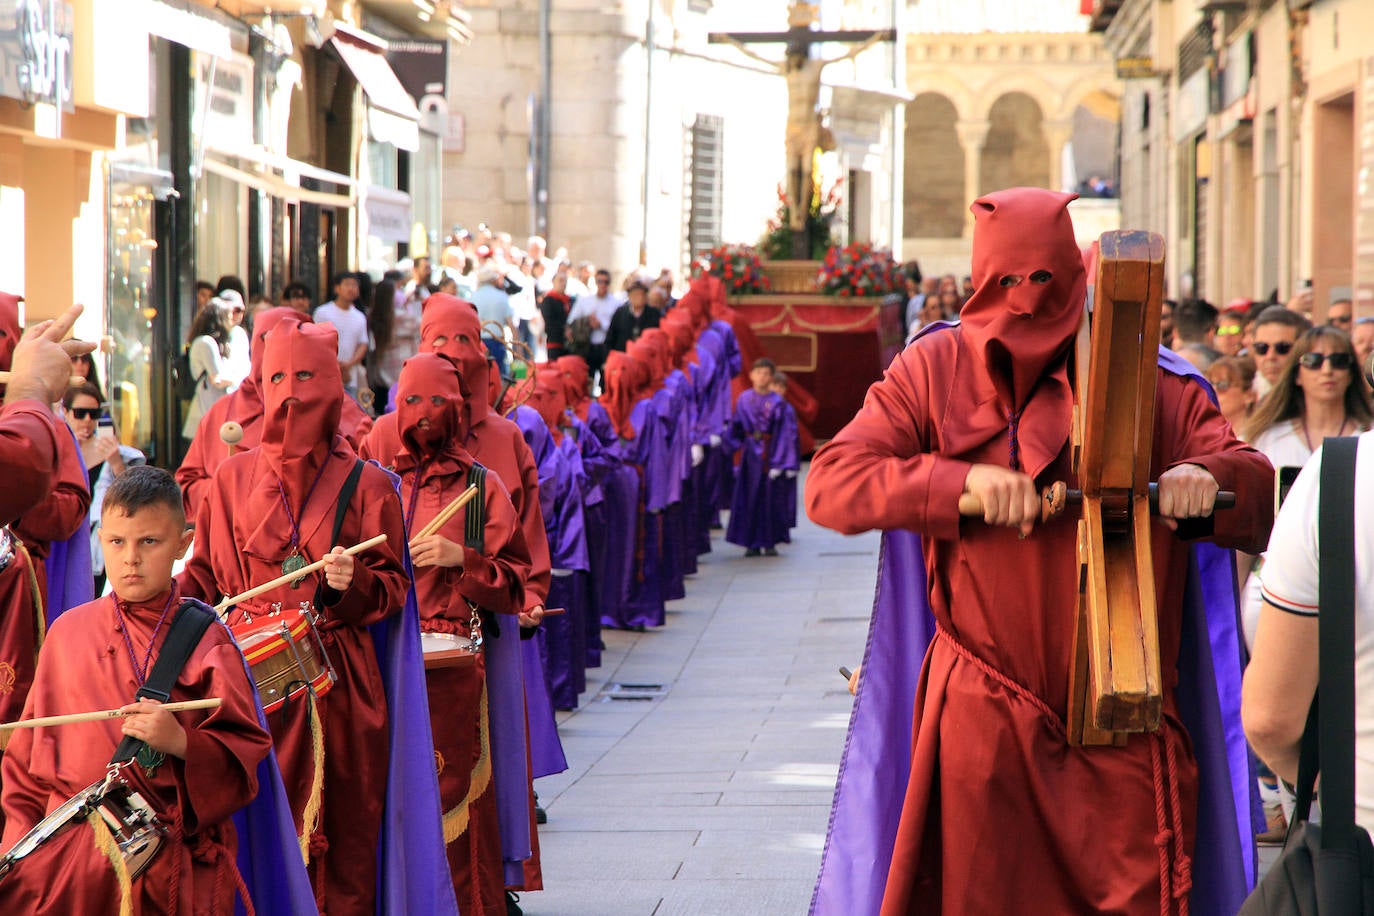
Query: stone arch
pixel 1081 92
pixel 1096 128
pixel 934 178
pixel 1045 96
pixel 1015 153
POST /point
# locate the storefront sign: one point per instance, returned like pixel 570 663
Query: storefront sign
pixel 1135 68
pixel 224 100
pixel 421 66
pixel 1191 108
pixel 36 51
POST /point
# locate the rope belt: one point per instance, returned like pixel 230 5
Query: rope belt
pixel 1175 865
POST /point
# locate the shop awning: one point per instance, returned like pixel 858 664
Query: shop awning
pixel 392 116
pixel 278 176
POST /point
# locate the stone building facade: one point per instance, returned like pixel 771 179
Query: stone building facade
pixel 1002 98
pixel 659 142
pixel 1246 129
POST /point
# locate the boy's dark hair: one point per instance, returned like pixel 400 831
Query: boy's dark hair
pixel 1281 314
pixel 296 286
pixel 207 285
pixel 764 362
pixel 1193 318
pixel 142 486
pixel 779 377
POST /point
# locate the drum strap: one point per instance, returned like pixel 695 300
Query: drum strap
pixel 190 624
pixel 345 497
pixel 475 534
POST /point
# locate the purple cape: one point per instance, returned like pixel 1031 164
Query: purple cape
pixel 413 873
pixel 269 855
pixel 70 581
pixel 874 769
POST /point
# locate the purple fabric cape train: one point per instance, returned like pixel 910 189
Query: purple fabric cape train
pixel 68 567
pixel 873 772
pixel 413 874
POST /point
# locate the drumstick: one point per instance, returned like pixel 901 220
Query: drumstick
pixel 74 381
pixel 73 718
pixel 298 574
pixel 231 434
pixel 440 520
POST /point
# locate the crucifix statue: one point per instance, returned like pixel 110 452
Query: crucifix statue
pixel 803 73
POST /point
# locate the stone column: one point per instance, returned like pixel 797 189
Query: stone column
pixel 972 136
pixel 1057 136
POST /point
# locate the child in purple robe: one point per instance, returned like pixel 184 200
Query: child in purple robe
pixel 755 431
pixel 782 487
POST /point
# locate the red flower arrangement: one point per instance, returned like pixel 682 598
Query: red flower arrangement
pixel 859 269
pixel 739 266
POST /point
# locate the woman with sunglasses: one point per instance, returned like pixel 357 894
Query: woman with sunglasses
pixel 1316 395
pixel 104 457
pixel 1233 380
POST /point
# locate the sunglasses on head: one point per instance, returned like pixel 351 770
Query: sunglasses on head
pixel 1228 330
pixel 86 413
pixel 1222 384
pixel 1338 361
pixel 1282 348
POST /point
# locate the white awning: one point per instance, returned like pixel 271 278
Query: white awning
pixel 182 26
pixel 259 169
pixel 392 115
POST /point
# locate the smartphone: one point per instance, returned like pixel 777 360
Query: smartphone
pixel 105 427
pixel 1283 482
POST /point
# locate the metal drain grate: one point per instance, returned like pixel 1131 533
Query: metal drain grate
pixel 632 693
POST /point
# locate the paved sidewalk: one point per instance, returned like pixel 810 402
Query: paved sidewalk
pixel 710 793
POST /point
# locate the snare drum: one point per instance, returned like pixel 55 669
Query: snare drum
pixel 448 650
pixel 285 654
pixel 131 820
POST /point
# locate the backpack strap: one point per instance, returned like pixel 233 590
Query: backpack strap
pixel 345 497
pixel 192 620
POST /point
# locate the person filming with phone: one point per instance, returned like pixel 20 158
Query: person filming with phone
pixel 104 457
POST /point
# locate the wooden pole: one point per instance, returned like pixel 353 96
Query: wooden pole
pixel 440 520
pixel 293 576
pixel 103 714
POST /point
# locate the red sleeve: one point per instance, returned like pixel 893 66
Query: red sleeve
pixel 380 583
pixel 878 472
pixel 223 746
pixel 1198 434
pixel 66 507
pixel 28 453
pixel 193 475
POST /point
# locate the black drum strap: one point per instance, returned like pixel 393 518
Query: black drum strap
pixel 192 620
pixel 345 497
pixel 474 532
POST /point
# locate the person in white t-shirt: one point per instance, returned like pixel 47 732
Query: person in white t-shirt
pixel 237 364
pixel 352 327
pixel 1282 676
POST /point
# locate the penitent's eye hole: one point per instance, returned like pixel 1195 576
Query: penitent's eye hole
pixel 437 400
pixel 304 375
pixel 1009 280
pixel 1041 277
pixel 439 341
pixel 278 377
pixel 413 399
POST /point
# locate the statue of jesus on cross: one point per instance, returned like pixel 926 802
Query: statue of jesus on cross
pixel 803 73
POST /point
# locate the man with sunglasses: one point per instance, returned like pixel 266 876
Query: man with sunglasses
pixel 1340 311
pixel 1275 332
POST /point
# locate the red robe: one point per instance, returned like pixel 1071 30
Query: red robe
pixel 242 524
pixel 29 442
pixel 207 451
pixel 87 667
pixel 63 510
pixel 498 445
pixel 1080 822
pixel 492 580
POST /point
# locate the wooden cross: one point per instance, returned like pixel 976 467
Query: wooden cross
pixel 803 73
